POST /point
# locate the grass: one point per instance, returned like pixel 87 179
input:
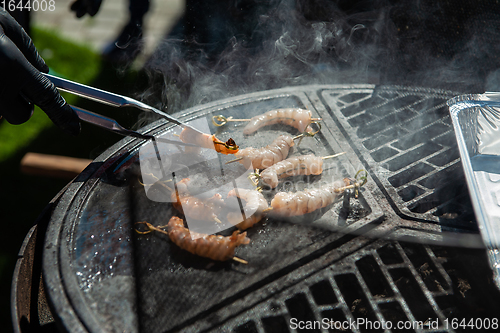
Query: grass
pixel 23 197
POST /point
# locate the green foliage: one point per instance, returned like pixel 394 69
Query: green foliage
pixel 75 62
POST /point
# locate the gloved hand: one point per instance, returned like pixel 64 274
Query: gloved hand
pixel 82 7
pixel 22 84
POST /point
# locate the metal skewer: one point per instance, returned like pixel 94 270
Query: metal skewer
pixel 333 156
pixel 220 120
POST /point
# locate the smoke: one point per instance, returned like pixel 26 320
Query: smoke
pixel 240 46
pixel 276 47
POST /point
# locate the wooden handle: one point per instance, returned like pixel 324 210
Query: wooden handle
pixel 52 165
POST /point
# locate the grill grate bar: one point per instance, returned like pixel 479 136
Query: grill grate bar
pixel 418 198
pixel 351 296
pixel 422 161
pixel 342 303
pixel 408 120
pixel 416 181
pixel 421 283
pixel 446 121
pixel 442 272
pixel 371 299
pixel 311 303
pixel 402 151
pixel 414 146
pixel 397 295
pixel 447 203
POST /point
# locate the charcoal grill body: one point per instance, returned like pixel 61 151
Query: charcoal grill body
pixel 99 275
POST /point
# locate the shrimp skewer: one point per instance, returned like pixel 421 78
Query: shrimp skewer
pixel 194 207
pixel 294 166
pixel 208 141
pixel 295 117
pixel 209 246
pixel 303 202
pixel 261 158
pixel 255 209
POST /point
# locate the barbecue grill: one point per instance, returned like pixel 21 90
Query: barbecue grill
pixel 379 257
pixel 406 249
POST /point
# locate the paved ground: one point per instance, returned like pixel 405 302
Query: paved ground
pixel 101 29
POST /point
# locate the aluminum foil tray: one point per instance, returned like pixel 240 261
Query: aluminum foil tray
pixel 476 120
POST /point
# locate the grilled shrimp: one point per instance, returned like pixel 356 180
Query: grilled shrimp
pixel 209 246
pixel 255 208
pixel 208 141
pixel 298 118
pixel 194 207
pixel 262 158
pixel 293 166
pixel 307 201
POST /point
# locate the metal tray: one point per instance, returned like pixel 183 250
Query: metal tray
pixel 476 120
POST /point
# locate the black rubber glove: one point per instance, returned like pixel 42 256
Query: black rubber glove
pixel 82 7
pixel 22 84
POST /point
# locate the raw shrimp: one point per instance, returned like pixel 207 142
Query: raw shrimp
pixel 255 208
pixel 293 166
pixel 194 207
pixel 298 118
pixel 208 141
pixel 307 201
pixel 208 246
pixel 261 158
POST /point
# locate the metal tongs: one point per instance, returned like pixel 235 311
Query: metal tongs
pixel 115 100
